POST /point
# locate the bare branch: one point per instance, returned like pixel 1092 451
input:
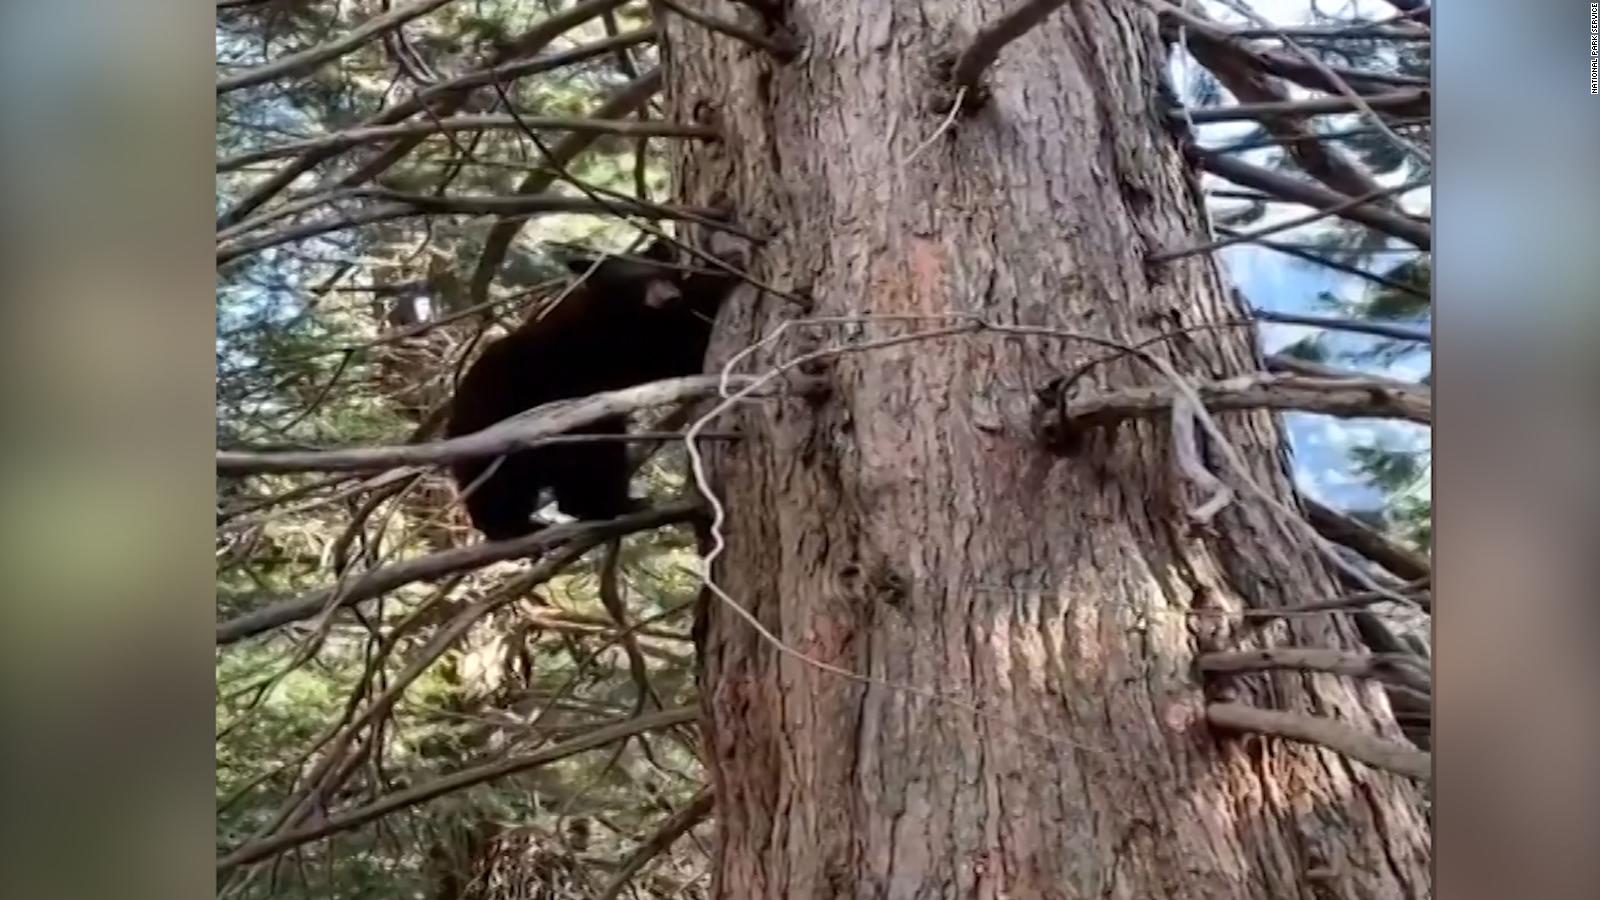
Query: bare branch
pixel 1393 224
pixel 498 242
pixel 549 420
pixel 436 565
pixel 1347 532
pixel 1412 102
pixel 312 57
pixel 1202 32
pixel 1378 329
pixel 1364 31
pixel 1246 77
pixel 404 206
pixel 1337 83
pixel 1284 225
pixel 1343 397
pixel 447 97
pixel 352 137
pixel 1303 253
pixel 422 793
pixel 676 826
pixel 1400 668
pixel 1327 733
pixel 779 44
pixel 1278 362
pixel 985 46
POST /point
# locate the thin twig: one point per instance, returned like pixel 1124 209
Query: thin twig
pixel 436 565
pixel 1305 254
pixel 1284 225
pixel 1400 668
pixel 599 737
pixel 676 825
pixel 312 57
pixel 1377 329
pixel 445 98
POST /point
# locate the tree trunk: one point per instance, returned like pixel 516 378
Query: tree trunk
pixel 908 526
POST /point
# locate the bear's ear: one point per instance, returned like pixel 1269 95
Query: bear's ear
pixel 660 292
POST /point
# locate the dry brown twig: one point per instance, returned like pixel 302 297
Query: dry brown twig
pixel 445 562
pixel 465 778
pixel 312 57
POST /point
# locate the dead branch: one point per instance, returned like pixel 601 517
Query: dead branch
pixel 1343 397
pixel 1345 531
pixel 1411 102
pixel 1337 83
pixel 437 565
pixel 526 430
pixel 312 57
pixel 404 206
pixel 677 825
pixel 778 43
pixel 352 137
pixel 985 46
pixel 1202 32
pixel 1282 225
pixel 1335 736
pixel 1363 31
pixel 1242 173
pixel 1278 362
pixel 1399 668
pixel 446 98
pixel 1246 75
pixel 498 242
pixel 1304 253
pixel 422 793
pixel 1377 329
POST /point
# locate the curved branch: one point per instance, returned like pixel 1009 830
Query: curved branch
pixel 676 826
pixel 551 420
pixel 985 46
pixel 461 780
pixel 778 44
pixel 446 98
pixel 1335 736
pixel 436 565
pixel 498 242
pixel 312 57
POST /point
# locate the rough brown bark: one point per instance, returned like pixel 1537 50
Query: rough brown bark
pixel 909 527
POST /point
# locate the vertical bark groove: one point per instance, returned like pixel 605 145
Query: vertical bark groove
pixel 907 527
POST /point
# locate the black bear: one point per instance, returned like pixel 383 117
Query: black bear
pixel 630 322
